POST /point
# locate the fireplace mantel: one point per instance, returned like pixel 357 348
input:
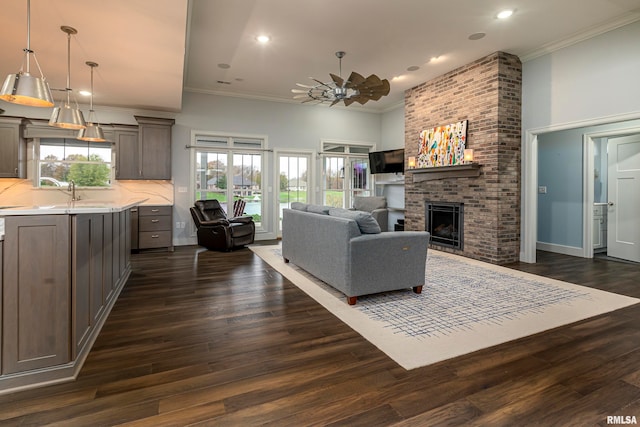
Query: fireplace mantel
pixel 442 172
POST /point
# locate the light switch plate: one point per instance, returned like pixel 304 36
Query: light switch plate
pixel 542 189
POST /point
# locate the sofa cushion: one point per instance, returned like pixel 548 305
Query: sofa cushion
pixel 366 222
pixel 323 210
pixel 299 206
pixel 368 204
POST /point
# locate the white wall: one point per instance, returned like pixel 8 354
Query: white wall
pixel 392 132
pixel 595 78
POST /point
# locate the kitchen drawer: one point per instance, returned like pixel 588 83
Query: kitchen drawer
pixel 154 210
pixel 154 223
pixel 155 239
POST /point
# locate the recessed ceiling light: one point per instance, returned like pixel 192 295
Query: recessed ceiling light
pixel 263 39
pixel 477 36
pixel 504 14
pixel 85 93
pixel 224 66
pixel 396 78
pixel 413 68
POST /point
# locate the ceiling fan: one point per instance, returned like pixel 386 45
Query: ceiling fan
pixel 355 89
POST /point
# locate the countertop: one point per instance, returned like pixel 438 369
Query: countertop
pixel 71 208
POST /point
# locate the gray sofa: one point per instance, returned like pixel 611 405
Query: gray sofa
pixel 346 250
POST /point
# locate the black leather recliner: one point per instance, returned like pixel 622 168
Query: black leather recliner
pixel 217 231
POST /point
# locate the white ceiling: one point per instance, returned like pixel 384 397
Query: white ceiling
pixel 140 44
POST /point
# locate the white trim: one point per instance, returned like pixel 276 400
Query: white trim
pixel 559 249
pixel 529 210
pixel 587 196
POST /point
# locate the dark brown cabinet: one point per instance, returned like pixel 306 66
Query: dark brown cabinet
pixel 147 154
pixel 126 146
pixel 36 293
pixel 154 227
pixel 12 148
pixel 57 287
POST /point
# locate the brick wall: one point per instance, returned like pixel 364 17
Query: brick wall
pixel 487 93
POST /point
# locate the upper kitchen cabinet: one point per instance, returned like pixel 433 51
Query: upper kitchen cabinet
pixel 125 139
pixel 12 149
pixel 151 156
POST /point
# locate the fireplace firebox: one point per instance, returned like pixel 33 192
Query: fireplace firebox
pixel 445 223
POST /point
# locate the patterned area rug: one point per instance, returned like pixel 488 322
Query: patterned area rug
pixel 465 305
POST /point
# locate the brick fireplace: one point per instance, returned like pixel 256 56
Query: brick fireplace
pixel 487 93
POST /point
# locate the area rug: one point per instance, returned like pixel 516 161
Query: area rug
pixel 465 305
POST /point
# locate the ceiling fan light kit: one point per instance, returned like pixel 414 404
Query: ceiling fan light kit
pixel 355 89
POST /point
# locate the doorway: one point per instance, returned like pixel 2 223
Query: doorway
pixel 612 205
pixel 581 194
pixel 623 206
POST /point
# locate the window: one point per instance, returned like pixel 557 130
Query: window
pixel 63 160
pixel 228 169
pixel 293 181
pixel 345 172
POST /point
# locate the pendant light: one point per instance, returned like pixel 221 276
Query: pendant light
pixel 93 132
pixel 23 88
pixel 65 116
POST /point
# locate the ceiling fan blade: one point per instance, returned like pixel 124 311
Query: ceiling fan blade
pixel 337 79
pixel 373 81
pixel 321 82
pixel 355 80
pixel 335 101
pixel 361 99
pixel 349 101
pixel 386 87
pixel 299 91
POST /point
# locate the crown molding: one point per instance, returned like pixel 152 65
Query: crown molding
pixel 610 25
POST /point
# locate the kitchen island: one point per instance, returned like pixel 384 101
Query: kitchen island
pixel 63 267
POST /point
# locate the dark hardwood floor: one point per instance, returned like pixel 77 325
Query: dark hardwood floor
pixel 208 338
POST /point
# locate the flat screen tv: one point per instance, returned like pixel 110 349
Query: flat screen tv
pixel 388 161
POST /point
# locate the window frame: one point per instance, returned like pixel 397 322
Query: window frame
pixel 37 161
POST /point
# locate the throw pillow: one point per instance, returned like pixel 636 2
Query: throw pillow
pixel 299 206
pixel 366 222
pixel 323 210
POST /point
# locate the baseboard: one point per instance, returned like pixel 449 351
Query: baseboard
pixel 560 249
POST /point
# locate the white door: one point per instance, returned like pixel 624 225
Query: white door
pixel 294 181
pixel 623 236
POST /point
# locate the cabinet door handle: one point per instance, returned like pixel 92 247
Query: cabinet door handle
pixel 155 210
pixel 155 236
pixel 155 220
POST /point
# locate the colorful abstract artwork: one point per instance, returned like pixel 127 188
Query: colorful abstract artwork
pixel 442 145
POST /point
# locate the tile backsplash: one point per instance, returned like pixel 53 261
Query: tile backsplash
pixel 21 192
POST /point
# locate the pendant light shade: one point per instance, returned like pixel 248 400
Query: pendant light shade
pixel 23 88
pixel 66 116
pixel 93 132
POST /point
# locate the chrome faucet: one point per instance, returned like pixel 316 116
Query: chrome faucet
pixel 72 188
